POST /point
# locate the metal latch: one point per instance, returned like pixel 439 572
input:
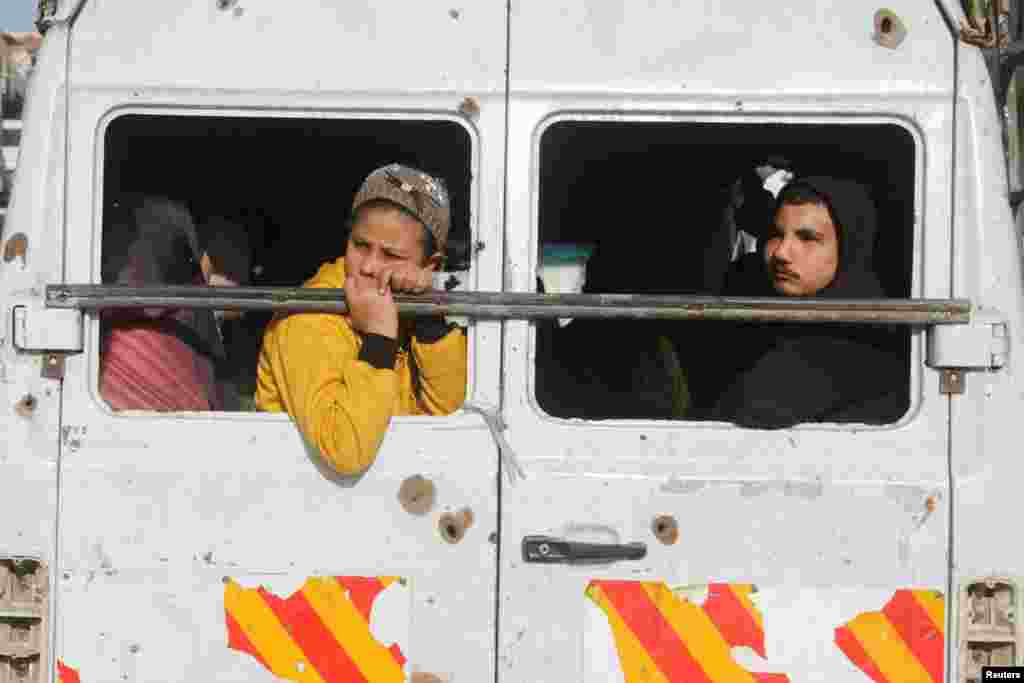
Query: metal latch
pixel 981 344
pixel 47 329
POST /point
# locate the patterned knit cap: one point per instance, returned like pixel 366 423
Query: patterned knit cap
pixel 419 193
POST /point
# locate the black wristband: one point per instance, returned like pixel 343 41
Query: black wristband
pixel 379 351
pixel 430 328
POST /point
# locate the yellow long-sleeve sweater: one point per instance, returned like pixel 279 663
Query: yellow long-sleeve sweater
pixel 309 367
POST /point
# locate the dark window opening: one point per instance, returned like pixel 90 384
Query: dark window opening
pixel 286 183
pixel 642 207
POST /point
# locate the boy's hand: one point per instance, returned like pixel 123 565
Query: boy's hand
pixel 406 277
pixel 372 311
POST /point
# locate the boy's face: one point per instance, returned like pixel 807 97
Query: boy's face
pixel 802 250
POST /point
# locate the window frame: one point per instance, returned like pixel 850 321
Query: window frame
pixel 917 334
pixel 92 320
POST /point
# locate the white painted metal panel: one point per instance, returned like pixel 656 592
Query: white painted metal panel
pixel 862 511
pixel 159 510
pixel 30 420
pixel 987 469
pixel 296 47
pixel 681 48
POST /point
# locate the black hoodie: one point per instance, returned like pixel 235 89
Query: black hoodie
pixel 786 374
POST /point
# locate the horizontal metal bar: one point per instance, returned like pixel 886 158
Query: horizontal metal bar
pixel 522 305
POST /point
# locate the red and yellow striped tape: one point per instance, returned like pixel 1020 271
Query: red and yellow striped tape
pixel 663 638
pixel 320 634
pixel 903 643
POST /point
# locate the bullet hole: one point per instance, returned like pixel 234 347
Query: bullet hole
pixel 493 537
pixel 26 405
pixel 454 14
pixel 134 648
pixel 226 4
pixel 417 495
pixel 16 247
pixel 643 437
pixel 208 557
pixel 890 31
pixel 665 529
pixel 453 527
pixel 470 107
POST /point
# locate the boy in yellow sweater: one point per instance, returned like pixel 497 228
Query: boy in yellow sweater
pixel 342 377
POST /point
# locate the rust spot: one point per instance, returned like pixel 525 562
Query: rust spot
pixel 930 503
pixel 470 107
pixel 453 526
pixel 26 406
pixel 666 529
pixel 421 677
pixel 16 247
pixel 417 494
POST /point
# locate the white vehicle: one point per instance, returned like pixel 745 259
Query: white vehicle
pixel 527 544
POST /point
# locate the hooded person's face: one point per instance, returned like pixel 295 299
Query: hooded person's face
pixel 802 250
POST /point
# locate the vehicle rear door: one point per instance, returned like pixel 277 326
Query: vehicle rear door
pixel 819 550
pixel 215 546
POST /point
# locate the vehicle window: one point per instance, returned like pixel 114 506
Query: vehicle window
pixel 682 208
pixel 240 201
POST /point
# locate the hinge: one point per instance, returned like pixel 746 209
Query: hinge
pixel 55 330
pixel 982 344
pixel 954 350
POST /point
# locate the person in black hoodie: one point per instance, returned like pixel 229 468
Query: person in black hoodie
pixel 819 245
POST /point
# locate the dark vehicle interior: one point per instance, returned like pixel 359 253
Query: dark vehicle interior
pixel 647 196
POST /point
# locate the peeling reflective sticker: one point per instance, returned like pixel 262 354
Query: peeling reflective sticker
pixel 320 634
pixel 662 637
pixel 903 643
pixel 65 674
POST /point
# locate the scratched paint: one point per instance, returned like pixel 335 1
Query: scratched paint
pixel 662 637
pixel 66 674
pixel 904 642
pixel 319 634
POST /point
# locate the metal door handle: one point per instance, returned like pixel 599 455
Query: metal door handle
pixel 548 550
